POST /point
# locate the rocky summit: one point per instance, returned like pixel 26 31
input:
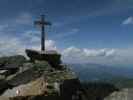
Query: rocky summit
pixel 124 94
pixel 36 80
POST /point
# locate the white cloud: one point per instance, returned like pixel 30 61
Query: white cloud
pixel 34 40
pixel 13 46
pixel 111 52
pixel 2 27
pixel 127 21
pixel 94 53
pixel 67 34
pixel 123 57
pixel 10 46
pixel 73 51
pixel 73 54
pixel 50 45
pixel 24 18
pixel 32 36
pixel 17 24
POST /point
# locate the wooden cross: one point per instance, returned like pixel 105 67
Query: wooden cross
pixel 42 23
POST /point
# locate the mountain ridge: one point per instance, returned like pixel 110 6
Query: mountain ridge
pixel 122 77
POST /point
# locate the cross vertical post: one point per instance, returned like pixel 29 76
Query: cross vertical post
pixel 43 35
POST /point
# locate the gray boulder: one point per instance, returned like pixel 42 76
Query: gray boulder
pixel 12 61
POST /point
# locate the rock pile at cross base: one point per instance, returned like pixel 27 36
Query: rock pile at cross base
pixel 25 80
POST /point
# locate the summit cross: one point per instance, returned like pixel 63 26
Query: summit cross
pixel 42 23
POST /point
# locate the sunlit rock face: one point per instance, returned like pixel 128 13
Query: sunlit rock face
pixel 124 94
pixel 37 79
pixel 35 87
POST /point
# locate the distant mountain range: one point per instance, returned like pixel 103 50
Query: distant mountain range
pixel 122 76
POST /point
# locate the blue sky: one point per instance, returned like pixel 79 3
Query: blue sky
pixel 94 31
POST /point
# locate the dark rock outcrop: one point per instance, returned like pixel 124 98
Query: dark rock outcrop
pixel 98 90
pixel 53 58
pixel 4 86
pixel 34 71
pixel 70 88
pixel 12 62
pixel 10 65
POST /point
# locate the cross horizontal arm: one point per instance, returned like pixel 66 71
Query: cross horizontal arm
pixel 42 23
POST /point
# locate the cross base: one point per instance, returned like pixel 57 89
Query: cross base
pixel 53 58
